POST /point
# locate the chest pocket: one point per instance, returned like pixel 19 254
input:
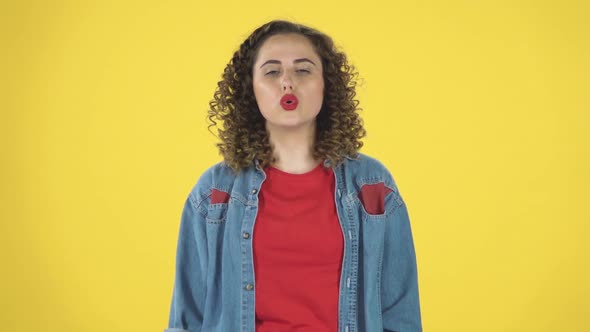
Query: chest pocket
pixel 217 209
pixel 372 199
pixel 216 213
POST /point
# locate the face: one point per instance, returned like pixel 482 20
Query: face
pixel 288 64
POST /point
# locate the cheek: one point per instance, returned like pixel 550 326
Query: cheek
pixel 318 89
pixel 263 94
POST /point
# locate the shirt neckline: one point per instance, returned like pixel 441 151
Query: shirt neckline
pixel 303 176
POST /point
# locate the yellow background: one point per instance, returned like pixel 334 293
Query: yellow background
pixel 478 108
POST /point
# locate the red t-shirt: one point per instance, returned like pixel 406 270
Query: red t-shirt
pixel 298 248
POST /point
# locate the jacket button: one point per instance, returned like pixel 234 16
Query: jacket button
pixel 249 287
pixel 254 191
pixel 246 235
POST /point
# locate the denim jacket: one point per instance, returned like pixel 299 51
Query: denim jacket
pixel 214 288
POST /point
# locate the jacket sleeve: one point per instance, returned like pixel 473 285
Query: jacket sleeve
pixel 188 296
pixel 399 287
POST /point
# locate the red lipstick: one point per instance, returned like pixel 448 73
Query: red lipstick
pixel 289 102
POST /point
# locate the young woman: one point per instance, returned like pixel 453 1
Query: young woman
pixel 294 230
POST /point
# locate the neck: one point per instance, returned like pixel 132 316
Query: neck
pixel 293 148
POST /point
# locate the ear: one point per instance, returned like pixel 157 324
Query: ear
pixel 372 196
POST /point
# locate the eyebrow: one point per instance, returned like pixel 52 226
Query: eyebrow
pixel 295 61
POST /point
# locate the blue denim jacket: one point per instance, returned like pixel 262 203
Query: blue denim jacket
pixel 214 286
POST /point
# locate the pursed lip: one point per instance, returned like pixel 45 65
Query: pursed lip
pixel 289 102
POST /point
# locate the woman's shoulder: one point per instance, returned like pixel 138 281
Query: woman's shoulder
pixel 368 169
pixel 217 171
pixel 217 176
pixel 365 164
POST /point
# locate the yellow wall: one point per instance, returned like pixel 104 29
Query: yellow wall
pixel 479 109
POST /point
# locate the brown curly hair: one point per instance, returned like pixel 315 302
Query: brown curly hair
pixel 244 136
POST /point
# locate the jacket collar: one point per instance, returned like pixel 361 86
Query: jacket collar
pixel 326 161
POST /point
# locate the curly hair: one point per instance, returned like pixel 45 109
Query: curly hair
pixel 244 137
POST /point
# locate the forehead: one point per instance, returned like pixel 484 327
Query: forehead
pixel 286 47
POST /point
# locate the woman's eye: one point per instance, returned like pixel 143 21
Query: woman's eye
pixel 275 72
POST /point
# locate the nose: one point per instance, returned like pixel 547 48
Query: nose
pixel 287 83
